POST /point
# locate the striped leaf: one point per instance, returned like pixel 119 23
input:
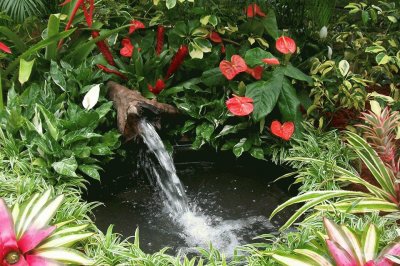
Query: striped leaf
pixel 370 242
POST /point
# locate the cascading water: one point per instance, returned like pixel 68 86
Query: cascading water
pixel 198 229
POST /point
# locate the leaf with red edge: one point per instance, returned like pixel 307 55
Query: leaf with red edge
pixel 285 45
pixel 231 69
pixel 271 61
pixel 393 249
pixel 160 85
pixel 240 106
pixel 7 235
pixel 135 25
pixel 284 131
pixel 255 72
pixel 32 238
pixel 127 48
pixel 5 48
pixel 340 256
pixel 254 10
pixel 215 37
pixel 34 260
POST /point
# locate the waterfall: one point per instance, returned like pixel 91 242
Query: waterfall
pixel 198 228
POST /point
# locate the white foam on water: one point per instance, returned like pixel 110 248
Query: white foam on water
pixel 198 229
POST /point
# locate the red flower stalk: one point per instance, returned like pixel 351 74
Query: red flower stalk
pixel 78 4
pixel 103 47
pixel 160 39
pixel 5 48
pixel 254 10
pixel 160 85
pixel 111 71
pixel 177 60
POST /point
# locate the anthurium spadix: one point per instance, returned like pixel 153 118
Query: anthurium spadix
pixel 27 239
pixel 91 97
pixel 344 248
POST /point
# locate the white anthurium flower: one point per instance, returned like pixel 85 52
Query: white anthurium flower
pixel 323 33
pixel 91 97
pixel 330 52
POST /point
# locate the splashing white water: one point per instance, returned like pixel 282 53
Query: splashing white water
pixel 198 229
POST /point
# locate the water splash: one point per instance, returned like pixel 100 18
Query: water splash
pixel 198 229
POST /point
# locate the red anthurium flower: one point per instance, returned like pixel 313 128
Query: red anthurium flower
pixel 16 251
pixel 271 61
pixel 285 45
pixel 240 106
pixel 112 71
pixel 5 48
pixel 254 10
pixel 231 69
pixel 255 72
pixel 215 37
pixel 160 85
pixel 284 131
pixel 127 48
pixel 135 24
pixel 177 60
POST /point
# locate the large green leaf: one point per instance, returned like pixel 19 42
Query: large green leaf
pixel 370 242
pixel 25 70
pixel 291 260
pixel 289 104
pixel 35 48
pixel 265 94
pixel 294 72
pixel 270 24
pixel 254 56
pixel 53 27
pixel 66 167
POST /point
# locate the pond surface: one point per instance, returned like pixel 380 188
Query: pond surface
pixel 230 199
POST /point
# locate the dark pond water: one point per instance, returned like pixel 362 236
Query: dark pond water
pixel 232 199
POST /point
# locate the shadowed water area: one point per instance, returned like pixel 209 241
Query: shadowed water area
pixel 208 198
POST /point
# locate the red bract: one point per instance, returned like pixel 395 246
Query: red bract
pixel 215 37
pixel 127 48
pixel 284 131
pixel 231 69
pixel 160 39
pixel 5 48
pixel 112 71
pixel 254 10
pixel 177 60
pixel 160 85
pixel 240 106
pixel 135 24
pixel 104 49
pixel 271 61
pixel 255 72
pixel 285 45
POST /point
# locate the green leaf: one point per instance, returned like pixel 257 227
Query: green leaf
pixel 90 170
pixel 66 167
pixel 370 242
pixel 270 24
pixel 257 153
pixel 375 49
pixel 265 94
pixel 38 46
pixel 254 56
pixel 53 27
pixel 51 122
pixel 25 70
pixel 344 67
pixel 291 260
pixel 289 104
pixel 64 255
pixel 19 44
pixel 57 76
pixel 213 77
pixel 382 58
pixel 63 241
pixel 170 3
pixel 243 145
pixel 294 72
pixel 319 259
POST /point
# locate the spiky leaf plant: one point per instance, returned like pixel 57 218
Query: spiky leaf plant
pixel 382 197
pixel 26 239
pixel 344 247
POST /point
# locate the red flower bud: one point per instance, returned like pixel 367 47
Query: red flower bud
pixel 160 39
pixel 103 47
pixel 215 37
pixel 5 48
pixel 112 71
pixel 160 85
pixel 177 60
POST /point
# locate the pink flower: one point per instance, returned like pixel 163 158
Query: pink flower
pixel 135 24
pixel 17 252
pixel 127 48
pixel 285 45
pixel 271 61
